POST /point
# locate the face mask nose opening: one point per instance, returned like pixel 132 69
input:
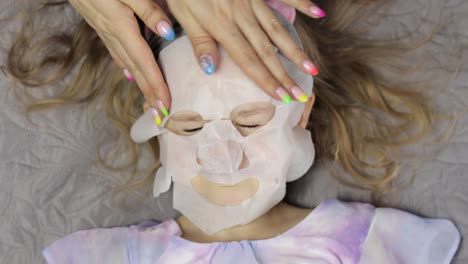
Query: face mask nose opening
pixel 224 156
pixel 245 161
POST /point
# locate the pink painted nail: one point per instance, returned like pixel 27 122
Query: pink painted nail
pixel 165 30
pixel 309 67
pixel 285 97
pixel 316 12
pixel 128 75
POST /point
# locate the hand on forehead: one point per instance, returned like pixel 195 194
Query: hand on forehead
pixel 211 96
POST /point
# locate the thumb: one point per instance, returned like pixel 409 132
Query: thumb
pixel 204 46
pixel 206 51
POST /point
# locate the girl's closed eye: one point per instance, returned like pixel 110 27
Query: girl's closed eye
pixel 188 128
pixel 250 117
pixel 193 129
pixel 246 126
pixel 185 123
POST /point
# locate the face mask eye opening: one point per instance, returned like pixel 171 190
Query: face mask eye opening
pixel 244 129
pixel 250 117
pixel 185 123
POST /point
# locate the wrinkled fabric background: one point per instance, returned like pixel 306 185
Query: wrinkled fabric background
pixel 51 184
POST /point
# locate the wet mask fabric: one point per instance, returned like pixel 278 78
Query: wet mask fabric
pixel 257 165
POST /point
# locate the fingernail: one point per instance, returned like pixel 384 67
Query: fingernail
pixel 281 92
pixel 207 63
pixel 309 67
pixel 165 30
pixel 316 11
pixel 162 107
pixel 156 117
pixel 128 75
pixel 299 94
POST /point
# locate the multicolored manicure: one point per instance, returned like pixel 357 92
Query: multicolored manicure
pixel 316 11
pixel 128 75
pixel 156 117
pixel 165 30
pixel 281 92
pixel 207 63
pixel 162 107
pixel 309 67
pixel 299 94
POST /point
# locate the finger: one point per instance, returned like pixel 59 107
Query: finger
pixel 204 46
pixel 155 102
pixel 280 36
pixel 140 55
pixel 119 26
pixel 117 58
pixel 153 16
pixel 130 70
pixel 245 56
pixel 242 53
pixel 306 7
pixel 126 72
pixel 135 74
pixel 263 46
pixel 248 60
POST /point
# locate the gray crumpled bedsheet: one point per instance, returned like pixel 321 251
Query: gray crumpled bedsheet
pixel 52 185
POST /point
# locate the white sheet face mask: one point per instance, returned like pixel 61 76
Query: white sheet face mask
pixel 223 174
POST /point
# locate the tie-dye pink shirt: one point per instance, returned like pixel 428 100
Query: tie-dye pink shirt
pixel 334 232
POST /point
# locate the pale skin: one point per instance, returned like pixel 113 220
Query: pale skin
pixel 247 29
pixel 277 220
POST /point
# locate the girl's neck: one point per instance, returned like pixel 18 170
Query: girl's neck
pixel 278 220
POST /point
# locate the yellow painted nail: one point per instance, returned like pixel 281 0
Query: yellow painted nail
pixel 157 118
pixel 158 121
pixel 299 94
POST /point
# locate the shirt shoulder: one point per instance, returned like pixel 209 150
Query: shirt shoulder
pixel 119 245
pixel 335 230
pixel 345 221
pixel 396 236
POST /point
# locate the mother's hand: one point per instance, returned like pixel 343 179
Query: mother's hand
pixel 246 30
pixel 243 27
pixel 115 23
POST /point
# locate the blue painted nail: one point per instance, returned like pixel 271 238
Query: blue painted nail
pixel 207 64
pixel 165 30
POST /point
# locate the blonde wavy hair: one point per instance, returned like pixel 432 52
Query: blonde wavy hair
pixel 349 122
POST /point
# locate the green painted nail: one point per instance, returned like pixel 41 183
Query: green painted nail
pixel 162 107
pixel 164 111
pixel 285 97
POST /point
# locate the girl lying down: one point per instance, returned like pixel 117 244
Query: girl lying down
pixel 228 150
